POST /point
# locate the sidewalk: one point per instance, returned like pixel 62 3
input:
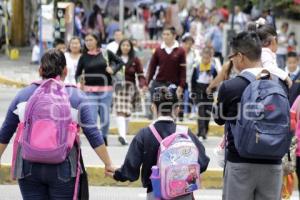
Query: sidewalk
pixel 18 72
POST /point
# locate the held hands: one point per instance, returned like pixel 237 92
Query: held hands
pixel 109 171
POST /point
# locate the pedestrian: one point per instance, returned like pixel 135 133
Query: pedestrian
pixel 257 175
pixel 72 55
pixel 114 45
pixel 143 150
pixel 127 97
pixel 191 56
pixel 96 23
pixel 48 179
pixel 267 35
pixel 282 50
pixel 215 39
pixel 292 42
pixel 96 70
pixel 204 72
pixel 170 57
pixel 59 44
pixel 293 70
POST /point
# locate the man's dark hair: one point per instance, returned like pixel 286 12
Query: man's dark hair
pixel 248 44
pixel 58 41
pixel 53 63
pixel 171 29
pixel 165 99
pixel 265 32
pixel 292 54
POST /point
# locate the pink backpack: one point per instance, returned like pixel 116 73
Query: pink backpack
pixel 47 133
pixel 177 164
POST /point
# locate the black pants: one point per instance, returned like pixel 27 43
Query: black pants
pixel 219 55
pixel 204 104
pixel 298 171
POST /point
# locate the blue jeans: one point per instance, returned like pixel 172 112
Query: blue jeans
pixel 101 105
pixel 47 182
pixel 281 61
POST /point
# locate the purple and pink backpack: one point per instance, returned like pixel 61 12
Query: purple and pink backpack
pixel 48 132
pixel 177 171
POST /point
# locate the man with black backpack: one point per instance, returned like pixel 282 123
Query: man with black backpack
pixel 255 110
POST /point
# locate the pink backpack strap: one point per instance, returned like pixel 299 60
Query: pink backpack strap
pixel 155 133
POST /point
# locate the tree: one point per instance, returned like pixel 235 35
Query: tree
pixel 17 23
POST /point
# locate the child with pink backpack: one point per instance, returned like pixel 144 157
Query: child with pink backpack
pixel 47 159
pixel 171 156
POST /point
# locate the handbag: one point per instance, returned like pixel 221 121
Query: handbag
pixel 83 182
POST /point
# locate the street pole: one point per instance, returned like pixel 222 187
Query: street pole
pixel 40 30
pixel 121 15
pixel 5 10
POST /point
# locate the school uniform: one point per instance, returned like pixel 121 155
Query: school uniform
pixel 201 78
pixel 295 89
pixel 142 153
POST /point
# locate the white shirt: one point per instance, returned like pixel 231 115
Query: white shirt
pixel 113 47
pixel 35 53
pixel 169 49
pixel 71 66
pixel 268 60
pixel 282 43
pixel 292 73
pixel 255 71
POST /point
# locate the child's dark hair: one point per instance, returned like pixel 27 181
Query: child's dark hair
pixel 165 99
pixel 265 32
pixel 53 63
pixel 292 54
pixel 131 53
pixel 58 41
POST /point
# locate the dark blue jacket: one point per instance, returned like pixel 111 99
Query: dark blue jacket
pixel 143 152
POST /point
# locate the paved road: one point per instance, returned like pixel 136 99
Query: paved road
pixel 11 192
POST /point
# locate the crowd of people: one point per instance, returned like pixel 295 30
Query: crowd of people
pixel 181 76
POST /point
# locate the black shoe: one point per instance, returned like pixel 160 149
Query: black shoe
pixel 122 141
pixel 105 140
pixel 204 137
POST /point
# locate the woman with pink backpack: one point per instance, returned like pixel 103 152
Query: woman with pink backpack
pixel 146 153
pixel 45 116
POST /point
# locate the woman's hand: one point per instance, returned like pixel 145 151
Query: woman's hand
pixel 109 70
pixel 109 171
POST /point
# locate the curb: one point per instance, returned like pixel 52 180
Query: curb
pixel 135 126
pixel 211 179
pixel 9 82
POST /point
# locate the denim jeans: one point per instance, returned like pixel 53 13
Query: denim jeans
pixel 281 61
pixel 101 105
pixel 47 182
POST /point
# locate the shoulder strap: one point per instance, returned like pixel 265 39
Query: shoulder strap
pixel 155 133
pixel 182 129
